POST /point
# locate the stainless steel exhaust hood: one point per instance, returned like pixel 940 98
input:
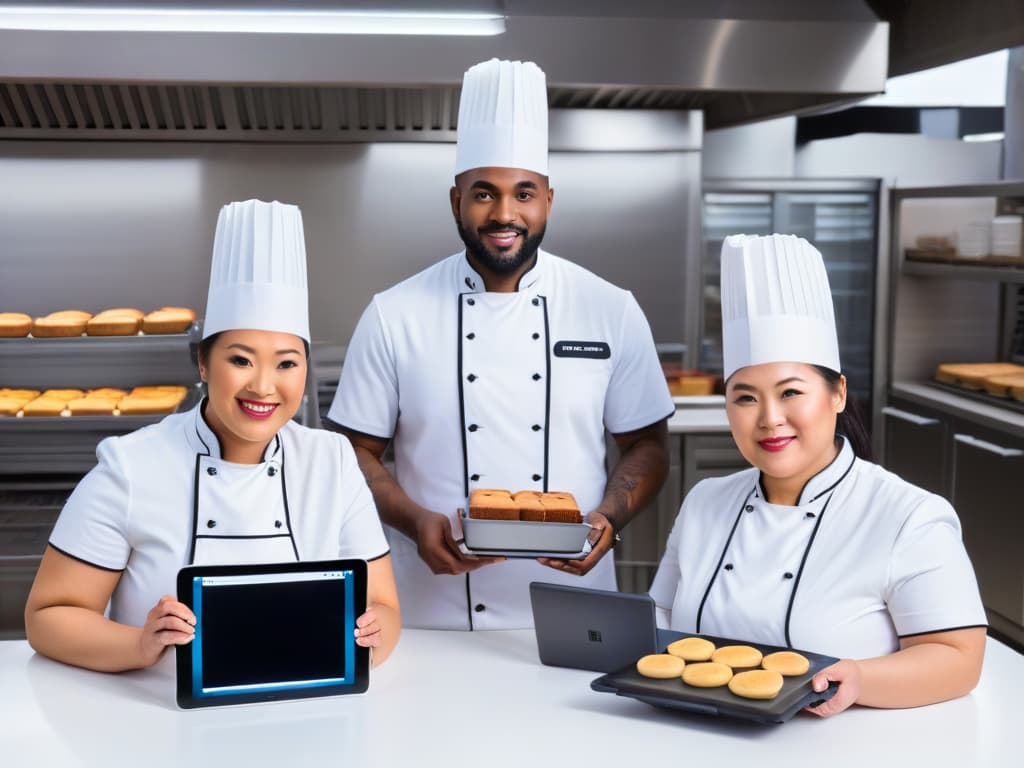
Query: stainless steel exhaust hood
pixel 757 63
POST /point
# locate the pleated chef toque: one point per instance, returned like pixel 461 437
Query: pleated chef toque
pixel 776 303
pixel 503 117
pixel 258 276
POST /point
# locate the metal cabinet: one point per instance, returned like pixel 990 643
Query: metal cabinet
pixel 987 496
pixel 915 444
pixel 979 469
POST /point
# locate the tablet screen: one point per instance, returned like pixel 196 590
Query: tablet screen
pixel 272 632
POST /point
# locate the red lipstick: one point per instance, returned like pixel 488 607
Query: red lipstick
pixel 775 444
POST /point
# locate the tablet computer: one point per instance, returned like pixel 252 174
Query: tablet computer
pixel 592 629
pixel 272 632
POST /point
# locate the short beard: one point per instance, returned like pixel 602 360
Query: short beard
pixel 504 264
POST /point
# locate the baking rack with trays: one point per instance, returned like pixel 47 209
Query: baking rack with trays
pixel 67 445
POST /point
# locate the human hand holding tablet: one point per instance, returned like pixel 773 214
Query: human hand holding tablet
pixel 272 632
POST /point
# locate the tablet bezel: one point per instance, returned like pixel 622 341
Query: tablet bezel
pixel 185 697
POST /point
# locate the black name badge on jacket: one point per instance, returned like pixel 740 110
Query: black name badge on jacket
pixel 597 350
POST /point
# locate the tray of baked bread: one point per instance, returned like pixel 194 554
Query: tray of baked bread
pixel 56 431
pixel 524 524
pixel 1000 384
pixel 725 677
pixel 117 321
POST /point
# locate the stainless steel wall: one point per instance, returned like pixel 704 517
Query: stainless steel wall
pixel 94 224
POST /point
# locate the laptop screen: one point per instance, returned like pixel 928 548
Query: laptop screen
pixel 264 636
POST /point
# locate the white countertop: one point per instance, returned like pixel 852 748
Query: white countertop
pixel 699 417
pixel 473 698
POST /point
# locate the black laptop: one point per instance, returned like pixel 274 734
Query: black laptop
pixel 592 629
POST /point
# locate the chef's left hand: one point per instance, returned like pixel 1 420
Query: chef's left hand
pixel 368 630
pixel 601 538
pixel 847 674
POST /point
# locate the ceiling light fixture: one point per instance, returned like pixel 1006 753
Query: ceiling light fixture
pixel 155 19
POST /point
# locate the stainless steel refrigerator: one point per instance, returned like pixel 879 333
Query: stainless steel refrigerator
pixel 839 216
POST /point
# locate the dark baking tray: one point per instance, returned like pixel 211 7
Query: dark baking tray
pixel 979 396
pixel 796 692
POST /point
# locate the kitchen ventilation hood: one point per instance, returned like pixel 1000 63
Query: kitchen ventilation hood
pixel 759 62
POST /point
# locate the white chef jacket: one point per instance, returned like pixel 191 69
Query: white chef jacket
pixel 497 390
pixel 161 498
pixel 863 559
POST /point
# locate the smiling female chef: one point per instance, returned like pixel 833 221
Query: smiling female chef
pixel 814 547
pixel 233 480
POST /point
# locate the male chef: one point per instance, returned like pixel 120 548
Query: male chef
pixel 501 366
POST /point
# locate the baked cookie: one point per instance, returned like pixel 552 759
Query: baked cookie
pixel 692 649
pixel 756 684
pixel 786 663
pixel 661 666
pixel 707 674
pixel 737 656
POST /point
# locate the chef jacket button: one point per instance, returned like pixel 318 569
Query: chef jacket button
pixel 271 471
pixel 537 477
pixel 536 336
pixel 749 508
pixel 211 471
pixel 787 575
pixel 474 478
pixel 211 523
pixel 471 377
pixel 536 427
pixel 809 515
pixel 479 607
pixel 536 302
pixel 277 523
pixel 473 427
pixel 471 302
pixel 470 336
pixel 728 566
pixel 536 377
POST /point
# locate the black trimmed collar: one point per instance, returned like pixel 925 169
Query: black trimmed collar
pixel 204 440
pixel 470 281
pixel 824 481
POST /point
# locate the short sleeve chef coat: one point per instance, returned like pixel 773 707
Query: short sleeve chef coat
pixel 161 498
pixel 863 559
pixel 497 390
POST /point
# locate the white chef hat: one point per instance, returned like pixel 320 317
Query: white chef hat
pixel 503 117
pixel 258 275
pixel 776 303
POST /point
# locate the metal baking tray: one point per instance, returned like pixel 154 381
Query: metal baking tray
pixel 521 538
pixel 87 362
pixel 796 692
pixel 66 444
pixel 979 396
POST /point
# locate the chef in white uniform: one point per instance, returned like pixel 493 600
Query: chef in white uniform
pixel 501 366
pixel 815 547
pixel 233 480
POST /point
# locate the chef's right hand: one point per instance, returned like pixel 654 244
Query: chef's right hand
pixel 439 549
pixel 168 623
